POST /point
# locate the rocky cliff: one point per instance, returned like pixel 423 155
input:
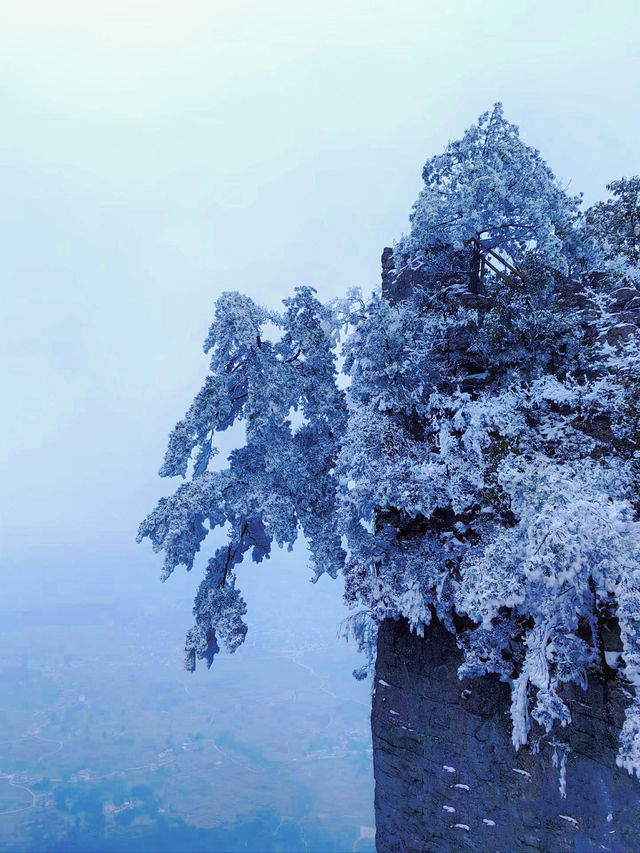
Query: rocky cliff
pixel 448 778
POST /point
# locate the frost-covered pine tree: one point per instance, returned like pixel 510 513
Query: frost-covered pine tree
pixel 481 466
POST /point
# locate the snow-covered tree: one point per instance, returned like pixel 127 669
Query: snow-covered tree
pixel 480 467
pixel 492 187
pixel 615 224
pixel 280 480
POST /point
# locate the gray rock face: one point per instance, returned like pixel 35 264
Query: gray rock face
pixel 447 776
pixel 401 277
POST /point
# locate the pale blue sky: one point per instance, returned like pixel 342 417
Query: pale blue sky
pixel 156 153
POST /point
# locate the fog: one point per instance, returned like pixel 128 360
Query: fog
pixel 152 156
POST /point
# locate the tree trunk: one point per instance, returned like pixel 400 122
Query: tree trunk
pixel 448 778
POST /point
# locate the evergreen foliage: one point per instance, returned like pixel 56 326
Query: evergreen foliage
pixel 482 464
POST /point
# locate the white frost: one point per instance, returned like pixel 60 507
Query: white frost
pixel 522 772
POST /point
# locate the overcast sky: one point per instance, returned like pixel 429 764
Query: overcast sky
pixel 154 154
